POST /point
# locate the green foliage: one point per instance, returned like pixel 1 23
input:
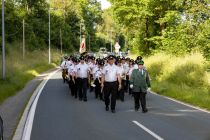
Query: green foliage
pixel 184 78
pixel 177 27
pixel 19 71
pixel 110 31
pixel 65 16
pixel 195 96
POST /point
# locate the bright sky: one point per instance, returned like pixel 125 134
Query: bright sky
pixel 104 4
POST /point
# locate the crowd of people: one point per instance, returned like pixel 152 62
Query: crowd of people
pixel 111 76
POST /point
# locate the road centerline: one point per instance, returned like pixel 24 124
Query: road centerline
pixel 147 130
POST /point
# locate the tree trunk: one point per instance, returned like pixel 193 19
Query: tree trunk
pixel 147 35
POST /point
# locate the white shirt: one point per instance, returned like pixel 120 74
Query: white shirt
pixel 110 72
pixel 64 64
pixel 70 63
pixel 122 72
pixel 97 73
pixel 126 68
pixel 72 69
pixel 142 71
pixel 130 70
pixel 91 66
pixel 82 70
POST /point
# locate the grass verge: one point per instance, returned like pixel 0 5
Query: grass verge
pixel 19 71
pixel 183 78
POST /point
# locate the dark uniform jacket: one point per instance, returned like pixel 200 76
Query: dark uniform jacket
pixel 140 82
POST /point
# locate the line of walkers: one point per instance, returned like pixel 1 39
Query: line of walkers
pixel 111 76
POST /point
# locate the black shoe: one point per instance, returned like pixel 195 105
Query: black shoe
pixel 113 111
pixel 85 100
pixel 75 97
pixel 107 108
pixel 136 109
pixel 145 110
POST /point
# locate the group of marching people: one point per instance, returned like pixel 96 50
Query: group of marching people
pixel 111 76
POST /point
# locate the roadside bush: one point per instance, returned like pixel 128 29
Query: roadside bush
pixel 19 71
pixel 156 64
pixel 184 78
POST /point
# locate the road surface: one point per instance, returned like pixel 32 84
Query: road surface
pixel 59 116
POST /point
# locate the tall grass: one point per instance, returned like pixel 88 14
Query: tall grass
pixel 19 71
pixel 184 78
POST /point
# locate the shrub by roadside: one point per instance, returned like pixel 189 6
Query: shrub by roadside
pixel 19 71
pixel 184 78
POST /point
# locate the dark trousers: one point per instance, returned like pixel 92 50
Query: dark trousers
pixel 76 87
pixel 82 87
pixel 73 88
pixel 127 83
pixel 142 97
pixel 110 88
pixel 130 90
pixel 98 89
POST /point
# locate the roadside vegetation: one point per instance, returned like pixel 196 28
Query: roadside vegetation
pixel 168 33
pixel 19 71
pixel 185 78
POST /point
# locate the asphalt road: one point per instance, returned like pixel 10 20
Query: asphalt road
pixel 59 116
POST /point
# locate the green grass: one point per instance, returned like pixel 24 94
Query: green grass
pixel 19 71
pixel 184 78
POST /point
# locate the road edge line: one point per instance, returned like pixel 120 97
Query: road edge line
pixel 147 130
pixel 25 125
pixel 180 102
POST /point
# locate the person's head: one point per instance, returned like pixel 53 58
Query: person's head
pixel 93 59
pixel 139 58
pixel 131 62
pixel 140 64
pixel 82 59
pixel 76 61
pixel 123 60
pixel 111 59
pixel 66 57
pixel 118 62
pixel 128 60
pixel 97 60
pixel 100 63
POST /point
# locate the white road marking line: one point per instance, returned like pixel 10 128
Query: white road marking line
pixel 30 119
pixel 180 102
pixel 148 131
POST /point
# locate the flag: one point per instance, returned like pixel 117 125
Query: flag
pixel 82 46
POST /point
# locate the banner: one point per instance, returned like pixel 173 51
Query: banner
pixel 82 46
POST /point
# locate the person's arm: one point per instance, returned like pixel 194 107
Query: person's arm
pixel 74 75
pixel 88 73
pixel 103 78
pixel 132 77
pixel 148 80
pixel 119 80
pixel 76 72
